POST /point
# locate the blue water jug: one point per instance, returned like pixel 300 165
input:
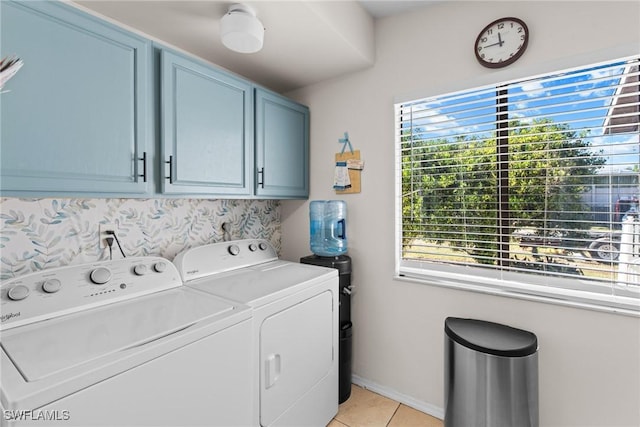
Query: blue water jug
pixel 328 224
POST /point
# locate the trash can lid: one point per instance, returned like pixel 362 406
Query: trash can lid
pixel 491 338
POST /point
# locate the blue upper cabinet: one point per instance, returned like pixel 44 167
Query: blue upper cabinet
pixel 207 130
pixel 282 147
pixel 75 118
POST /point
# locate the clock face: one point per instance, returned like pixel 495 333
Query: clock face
pixel 502 42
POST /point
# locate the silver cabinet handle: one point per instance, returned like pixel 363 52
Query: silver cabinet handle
pixel 261 177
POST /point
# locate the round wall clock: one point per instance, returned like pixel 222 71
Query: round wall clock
pixel 502 42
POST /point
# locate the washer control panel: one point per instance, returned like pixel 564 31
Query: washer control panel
pixel 63 290
pixel 224 256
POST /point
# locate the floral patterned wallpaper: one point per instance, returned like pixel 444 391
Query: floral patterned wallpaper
pixel 42 233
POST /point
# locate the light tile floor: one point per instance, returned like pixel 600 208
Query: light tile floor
pixel 365 408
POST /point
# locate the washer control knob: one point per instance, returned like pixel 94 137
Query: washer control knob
pixel 160 267
pixel 51 286
pixel 100 275
pixel 234 250
pixel 253 247
pixel 263 246
pixel 18 292
pixel 140 270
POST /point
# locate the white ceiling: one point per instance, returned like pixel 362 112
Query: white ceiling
pixel 305 41
pixel 383 8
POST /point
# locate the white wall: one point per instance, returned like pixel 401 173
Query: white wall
pixel 589 361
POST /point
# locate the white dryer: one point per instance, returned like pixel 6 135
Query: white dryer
pixel 295 325
pixel 122 343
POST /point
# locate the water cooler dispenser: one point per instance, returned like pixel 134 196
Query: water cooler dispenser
pixel 343 264
pixel 328 241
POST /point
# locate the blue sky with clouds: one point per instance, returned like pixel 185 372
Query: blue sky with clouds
pixel 580 99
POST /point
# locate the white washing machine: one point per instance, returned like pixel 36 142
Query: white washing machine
pixel 295 325
pixel 122 343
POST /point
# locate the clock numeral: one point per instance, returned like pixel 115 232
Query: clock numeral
pixel 501 25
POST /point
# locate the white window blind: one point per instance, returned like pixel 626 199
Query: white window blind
pixel 529 187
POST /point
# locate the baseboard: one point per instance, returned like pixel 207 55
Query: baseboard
pixel 425 407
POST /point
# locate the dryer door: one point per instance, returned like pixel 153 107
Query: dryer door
pixel 296 352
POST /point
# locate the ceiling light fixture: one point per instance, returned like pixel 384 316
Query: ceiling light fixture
pixel 240 30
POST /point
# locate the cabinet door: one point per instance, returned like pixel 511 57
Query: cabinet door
pixel 207 129
pixel 74 119
pixel 282 147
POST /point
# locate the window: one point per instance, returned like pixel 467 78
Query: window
pixel 527 188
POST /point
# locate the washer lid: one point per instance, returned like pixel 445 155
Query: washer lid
pixel 263 283
pixel 53 346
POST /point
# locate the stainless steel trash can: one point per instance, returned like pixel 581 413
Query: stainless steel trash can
pixel 491 375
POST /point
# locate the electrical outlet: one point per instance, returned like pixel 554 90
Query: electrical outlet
pixel 103 229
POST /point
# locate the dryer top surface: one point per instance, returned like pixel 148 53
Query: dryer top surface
pixel 260 284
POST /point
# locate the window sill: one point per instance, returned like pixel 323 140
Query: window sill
pixel 612 305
